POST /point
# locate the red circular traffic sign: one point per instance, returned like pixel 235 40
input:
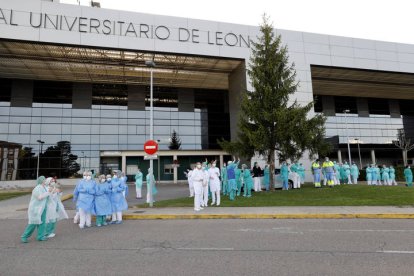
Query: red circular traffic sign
pixel 150 147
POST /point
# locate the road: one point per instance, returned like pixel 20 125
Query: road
pixel 214 247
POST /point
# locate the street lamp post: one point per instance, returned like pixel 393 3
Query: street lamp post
pixel 359 153
pixel 346 111
pixel 151 65
pixel 38 156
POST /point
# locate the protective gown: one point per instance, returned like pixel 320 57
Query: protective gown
pixel 37 214
pixel 231 178
pixel 408 174
pixel 266 178
pixel 354 173
pixel 118 200
pixel 238 180
pixel 138 183
pixel 284 175
pixel 224 184
pixel 86 196
pixel 248 183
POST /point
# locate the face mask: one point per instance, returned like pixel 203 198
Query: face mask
pixel 88 177
pixel 84 177
pixel 214 164
pixel 108 179
pixel 198 166
pixel 103 181
pixel 115 176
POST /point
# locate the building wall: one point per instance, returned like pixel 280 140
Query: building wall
pixel 205 38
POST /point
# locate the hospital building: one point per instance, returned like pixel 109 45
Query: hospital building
pixel 77 73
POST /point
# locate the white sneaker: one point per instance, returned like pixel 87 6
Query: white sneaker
pixel 75 221
pixel 51 235
pixel 201 208
pixel 197 210
pixel 212 203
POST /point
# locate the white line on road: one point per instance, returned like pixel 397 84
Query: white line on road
pixel 206 248
pixel 396 252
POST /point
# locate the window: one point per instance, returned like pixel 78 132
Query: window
pixel 5 90
pixel 52 92
pixel 344 103
pixel 168 169
pixel 378 106
pixel 163 97
pixel 406 107
pixel 109 94
pixel 317 103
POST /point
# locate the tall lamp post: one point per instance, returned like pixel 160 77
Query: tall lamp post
pixel 151 65
pixel 346 111
pixel 359 153
pixel 38 156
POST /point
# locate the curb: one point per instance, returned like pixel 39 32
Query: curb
pixel 66 197
pixel 268 216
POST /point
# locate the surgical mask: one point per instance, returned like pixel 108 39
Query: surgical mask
pixel 88 177
pixel 214 164
pixel 103 181
pixel 198 166
pixel 115 176
pixel 108 179
pixel 84 177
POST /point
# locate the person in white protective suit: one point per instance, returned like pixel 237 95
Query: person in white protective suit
pixel 214 174
pixel 198 178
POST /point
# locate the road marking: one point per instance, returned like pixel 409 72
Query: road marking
pixel 360 230
pixel 396 252
pixel 206 248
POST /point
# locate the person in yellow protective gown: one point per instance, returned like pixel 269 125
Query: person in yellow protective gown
pixel 328 168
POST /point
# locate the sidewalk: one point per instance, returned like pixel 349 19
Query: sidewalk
pixel 16 208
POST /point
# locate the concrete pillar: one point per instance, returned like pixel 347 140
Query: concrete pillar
pixel 15 163
pixel 22 93
pixel 175 170
pixel 186 100
pixel 237 84
pixel 394 108
pixel 328 105
pixel 339 156
pixel 221 160
pixel 136 97
pixel 373 157
pixel 362 106
pixel 82 96
pixel 123 163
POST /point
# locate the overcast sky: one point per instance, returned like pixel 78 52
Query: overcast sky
pixel 391 20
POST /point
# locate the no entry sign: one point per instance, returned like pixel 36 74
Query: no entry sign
pixel 150 147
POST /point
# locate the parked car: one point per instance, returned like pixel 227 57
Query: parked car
pixel 278 180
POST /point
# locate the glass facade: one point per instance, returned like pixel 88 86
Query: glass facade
pixel 379 129
pixel 108 125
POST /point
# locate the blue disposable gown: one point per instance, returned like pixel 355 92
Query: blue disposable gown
pixel 103 205
pixel 118 200
pixel 124 181
pixel 86 196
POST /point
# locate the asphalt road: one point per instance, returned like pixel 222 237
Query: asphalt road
pixel 214 247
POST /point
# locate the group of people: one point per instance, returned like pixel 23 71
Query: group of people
pixel 104 197
pixel 207 179
pixel 333 173
pixel 138 184
pixel 45 209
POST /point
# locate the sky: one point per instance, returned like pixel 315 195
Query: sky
pixel 387 20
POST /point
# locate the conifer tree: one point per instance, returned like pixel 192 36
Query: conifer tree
pixel 175 142
pixel 270 120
